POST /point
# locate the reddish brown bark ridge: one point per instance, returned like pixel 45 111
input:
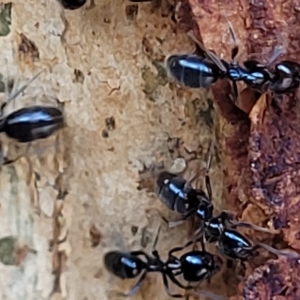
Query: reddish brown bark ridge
pixel 261 163
pixel 274 156
pixel 260 140
pixel 276 280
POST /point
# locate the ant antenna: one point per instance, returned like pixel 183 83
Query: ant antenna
pixel 235 48
pixel 208 165
pixel 191 180
pixel 24 87
pixel 18 92
pixel 286 252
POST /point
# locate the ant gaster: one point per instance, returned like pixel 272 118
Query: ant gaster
pixel 31 123
pixel 195 267
pixel 178 195
pixel 200 71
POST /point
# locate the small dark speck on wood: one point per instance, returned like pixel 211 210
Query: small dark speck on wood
pixel 110 123
pixel 131 12
pixel 78 76
pixel 134 230
pixel 146 237
pixel 28 49
pixel 105 133
pixel 95 236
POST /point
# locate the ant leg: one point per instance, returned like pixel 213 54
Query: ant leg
pixel 202 243
pixel 2 121
pixel 239 268
pixel 235 92
pixel 199 234
pixel 235 48
pixel 208 165
pixel 172 224
pixel 140 253
pixel 2 109
pixel 166 285
pixel 288 252
pixel 180 248
pixel 24 87
pixel 135 288
pixel 227 216
pixel 156 238
pixel 176 282
pixel 189 182
pixel 147 212
pixel 183 219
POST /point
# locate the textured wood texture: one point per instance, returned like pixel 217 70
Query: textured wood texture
pixel 65 203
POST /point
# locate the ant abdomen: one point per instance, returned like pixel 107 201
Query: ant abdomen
pixel 123 265
pixel 172 191
pixel 199 265
pixel 32 123
pixel 192 71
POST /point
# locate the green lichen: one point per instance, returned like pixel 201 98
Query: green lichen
pixel 5 18
pixel 7 251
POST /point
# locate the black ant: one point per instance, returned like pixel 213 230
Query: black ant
pixel 31 123
pixel 178 195
pixel 231 243
pixel 199 71
pixel 195 266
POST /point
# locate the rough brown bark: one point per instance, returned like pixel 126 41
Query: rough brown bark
pixel 64 204
pixel 260 141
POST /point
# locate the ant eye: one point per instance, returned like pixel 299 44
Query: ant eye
pixel 135 272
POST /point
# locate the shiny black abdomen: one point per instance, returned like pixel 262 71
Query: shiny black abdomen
pixel 192 70
pixel 32 123
pixel 123 265
pixel 171 190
